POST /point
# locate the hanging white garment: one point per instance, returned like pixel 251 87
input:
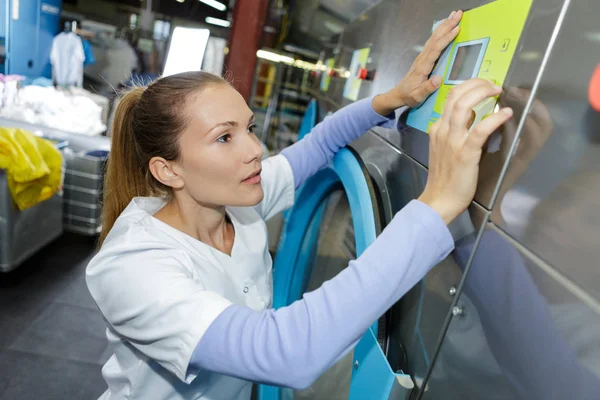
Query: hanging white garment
pixel 67 58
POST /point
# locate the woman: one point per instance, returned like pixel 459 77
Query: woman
pixel 183 278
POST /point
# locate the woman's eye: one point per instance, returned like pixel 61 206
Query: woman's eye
pixel 224 139
pixel 251 128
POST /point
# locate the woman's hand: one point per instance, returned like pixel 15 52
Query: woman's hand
pixel 416 86
pixel 455 153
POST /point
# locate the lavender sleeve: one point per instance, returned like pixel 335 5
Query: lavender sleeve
pixel 316 149
pixel 294 345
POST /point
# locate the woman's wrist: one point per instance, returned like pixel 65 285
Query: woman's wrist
pixel 386 103
pixel 446 212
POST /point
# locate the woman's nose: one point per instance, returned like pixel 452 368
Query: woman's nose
pixel 255 150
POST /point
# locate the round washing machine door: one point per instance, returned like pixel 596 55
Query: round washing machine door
pixel 335 218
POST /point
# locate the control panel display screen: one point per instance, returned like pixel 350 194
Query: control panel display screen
pixel 465 62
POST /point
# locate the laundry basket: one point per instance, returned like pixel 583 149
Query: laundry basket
pixel 84 177
pixel 23 233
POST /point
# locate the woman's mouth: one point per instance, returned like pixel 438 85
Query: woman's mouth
pixel 253 179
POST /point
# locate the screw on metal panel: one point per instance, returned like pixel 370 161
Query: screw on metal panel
pixel 355 364
pixel 452 290
pixel 456 311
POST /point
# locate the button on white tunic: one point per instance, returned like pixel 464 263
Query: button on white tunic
pixel 160 289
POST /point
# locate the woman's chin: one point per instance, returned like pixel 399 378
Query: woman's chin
pixel 251 197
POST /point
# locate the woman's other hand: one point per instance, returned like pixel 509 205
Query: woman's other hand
pixel 416 85
pixel 455 153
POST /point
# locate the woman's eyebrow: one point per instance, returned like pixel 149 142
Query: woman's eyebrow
pixel 231 124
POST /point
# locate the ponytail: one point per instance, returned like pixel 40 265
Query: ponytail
pixel 124 178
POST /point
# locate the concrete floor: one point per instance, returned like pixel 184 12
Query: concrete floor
pixel 52 337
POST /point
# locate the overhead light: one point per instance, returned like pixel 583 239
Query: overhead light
pixel 213 4
pixel 180 1
pixel 280 58
pixel 217 21
pixel 305 65
pixel 268 55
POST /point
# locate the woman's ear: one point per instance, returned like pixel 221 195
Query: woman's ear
pixel 165 172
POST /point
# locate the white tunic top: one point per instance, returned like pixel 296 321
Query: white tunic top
pixel 160 289
pixel 67 58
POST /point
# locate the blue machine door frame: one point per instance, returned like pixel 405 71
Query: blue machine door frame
pixel 372 377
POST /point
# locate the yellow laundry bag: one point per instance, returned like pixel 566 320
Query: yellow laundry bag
pixel 33 166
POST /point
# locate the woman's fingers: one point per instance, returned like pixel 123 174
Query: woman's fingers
pixel 455 96
pixel 463 108
pixel 482 131
pixel 454 162
pixel 443 35
pixel 461 101
pixel 427 88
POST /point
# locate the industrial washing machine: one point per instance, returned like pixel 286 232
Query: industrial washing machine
pixel 514 311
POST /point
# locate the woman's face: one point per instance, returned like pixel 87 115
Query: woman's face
pixel 220 161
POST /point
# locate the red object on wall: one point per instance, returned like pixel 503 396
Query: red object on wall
pixel 594 90
pixel 362 73
pixel 244 41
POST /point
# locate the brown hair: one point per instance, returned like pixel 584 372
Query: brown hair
pixel 147 123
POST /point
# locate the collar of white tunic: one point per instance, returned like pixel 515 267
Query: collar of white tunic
pixel 141 211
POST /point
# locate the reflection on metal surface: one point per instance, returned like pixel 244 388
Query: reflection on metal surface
pixel 522 334
pixel 568 284
pixel 561 177
pixel 594 89
pixel 530 102
pixel 457 311
pixel 520 90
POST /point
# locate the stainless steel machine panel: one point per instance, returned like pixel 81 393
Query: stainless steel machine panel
pixel 549 199
pixel 520 331
pixel 396 32
pixel 536 41
pixel 527 323
pixel 415 323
